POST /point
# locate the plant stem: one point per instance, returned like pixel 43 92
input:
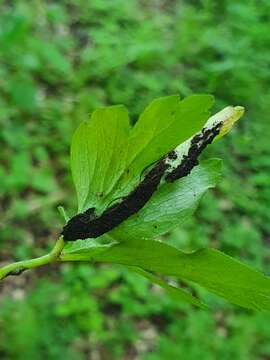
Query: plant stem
pixel 18 267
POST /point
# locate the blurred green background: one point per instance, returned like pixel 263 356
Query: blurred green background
pixel 58 61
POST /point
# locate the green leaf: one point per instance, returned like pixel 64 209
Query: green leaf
pixel 174 292
pixel 217 272
pixel 107 158
pixel 98 155
pixel 171 205
pixel 86 249
pixel 82 166
pixel 157 116
pixel 63 213
pixel 163 125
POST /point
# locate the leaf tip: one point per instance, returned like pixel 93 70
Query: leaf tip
pixel 234 115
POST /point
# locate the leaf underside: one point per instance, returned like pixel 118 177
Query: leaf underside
pixel 174 292
pixel 210 268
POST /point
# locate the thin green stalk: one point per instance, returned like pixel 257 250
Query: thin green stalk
pixel 18 267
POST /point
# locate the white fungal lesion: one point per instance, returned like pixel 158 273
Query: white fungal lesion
pixel 226 117
pixel 175 165
pixel 216 126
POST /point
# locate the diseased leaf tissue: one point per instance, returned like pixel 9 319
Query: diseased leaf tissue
pixel 176 163
pixel 134 184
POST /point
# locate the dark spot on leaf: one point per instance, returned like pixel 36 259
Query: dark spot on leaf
pixel 172 155
pixel 87 225
pixel 198 144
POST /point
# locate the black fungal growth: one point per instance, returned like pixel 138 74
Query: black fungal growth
pixel 172 155
pixel 198 144
pixel 87 225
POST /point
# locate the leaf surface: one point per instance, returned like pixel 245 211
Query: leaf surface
pixel 171 205
pixel 165 123
pixel 210 268
pixel 176 293
pixel 98 155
